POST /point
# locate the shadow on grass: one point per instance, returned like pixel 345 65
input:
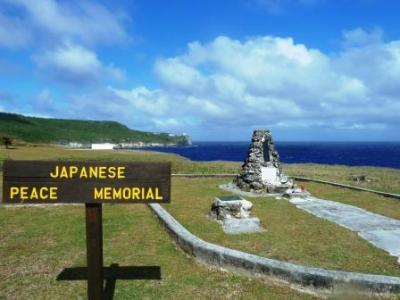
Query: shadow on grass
pixel 111 274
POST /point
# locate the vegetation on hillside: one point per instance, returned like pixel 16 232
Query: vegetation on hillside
pixel 62 131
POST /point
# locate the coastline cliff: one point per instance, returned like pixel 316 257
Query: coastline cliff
pixel 66 132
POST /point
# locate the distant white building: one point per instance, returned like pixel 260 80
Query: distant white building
pixel 104 146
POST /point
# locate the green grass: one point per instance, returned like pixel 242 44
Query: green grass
pixel 37 243
pixel 43 130
pixel 383 179
pixel 179 164
pixel 292 235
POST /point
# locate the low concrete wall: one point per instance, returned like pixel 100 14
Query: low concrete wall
pixel 193 175
pixel 309 277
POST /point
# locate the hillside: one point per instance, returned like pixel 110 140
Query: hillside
pixel 63 131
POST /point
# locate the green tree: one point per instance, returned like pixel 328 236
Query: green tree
pixel 7 142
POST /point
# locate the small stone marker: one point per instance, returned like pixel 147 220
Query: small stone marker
pixel 231 207
pixel 234 212
pixel 248 225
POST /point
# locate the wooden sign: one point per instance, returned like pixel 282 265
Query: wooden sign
pixel 85 182
pixel 92 183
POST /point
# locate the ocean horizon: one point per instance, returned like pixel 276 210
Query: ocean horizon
pixel 378 154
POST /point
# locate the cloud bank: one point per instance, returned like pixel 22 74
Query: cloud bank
pixel 71 63
pixel 63 37
pixel 225 87
pixel 83 21
pixel 220 89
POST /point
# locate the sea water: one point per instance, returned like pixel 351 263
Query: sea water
pixel 380 154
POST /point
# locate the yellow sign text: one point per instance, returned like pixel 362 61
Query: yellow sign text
pixel 91 172
pixel 126 193
pixel 33 193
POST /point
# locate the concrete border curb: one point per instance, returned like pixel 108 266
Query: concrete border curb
pixel 194 175
pixel 309 277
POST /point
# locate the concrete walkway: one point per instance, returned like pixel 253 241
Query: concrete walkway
pixel 379 230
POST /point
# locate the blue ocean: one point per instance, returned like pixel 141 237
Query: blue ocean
pixel 380 154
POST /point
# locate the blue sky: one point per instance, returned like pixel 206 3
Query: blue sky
pixel 306 69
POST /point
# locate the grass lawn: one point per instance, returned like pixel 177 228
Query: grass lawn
pixel 179 164
pixel 383 179
pixel 37 243
pixel 292 235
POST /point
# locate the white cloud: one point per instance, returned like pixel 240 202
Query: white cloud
pixel 13 32
pixel 255 61
pixel 276 82
pixel 63 36
pixel 376 64
pixel 45 104
pixel 179 75
pixel 83 21
pixel 226 87
pixel 145 101
pixel 168 122
pixel 73 63
pixel 279 6
pixel 44 98
pixel 360 37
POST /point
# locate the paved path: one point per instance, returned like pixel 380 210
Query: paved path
pixel 381 231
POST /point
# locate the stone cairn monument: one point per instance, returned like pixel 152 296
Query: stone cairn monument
pixel 261 171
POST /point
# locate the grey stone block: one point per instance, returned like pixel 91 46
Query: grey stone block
pixel 247 225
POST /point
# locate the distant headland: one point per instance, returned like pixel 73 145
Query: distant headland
pixel 82 133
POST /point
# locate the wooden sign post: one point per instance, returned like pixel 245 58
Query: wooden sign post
pixel 94 249
pixel 92 183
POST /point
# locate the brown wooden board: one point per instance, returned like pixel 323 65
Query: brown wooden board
pixel 85 182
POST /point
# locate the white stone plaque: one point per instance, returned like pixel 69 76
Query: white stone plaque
pixel 270 175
